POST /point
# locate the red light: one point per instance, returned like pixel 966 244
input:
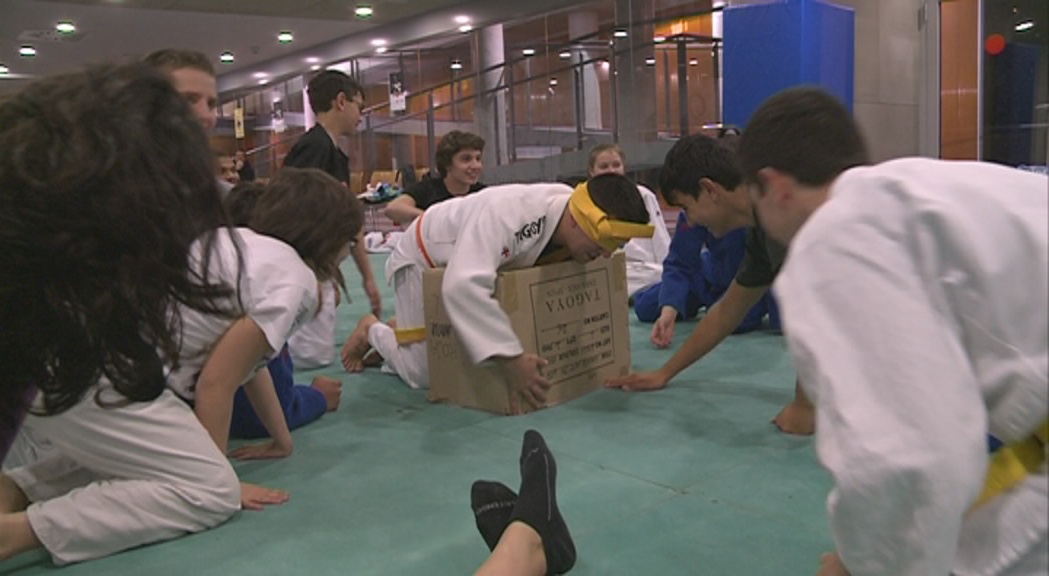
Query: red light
pixel 995 44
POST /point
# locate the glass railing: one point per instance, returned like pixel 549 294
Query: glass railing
pixel 558 101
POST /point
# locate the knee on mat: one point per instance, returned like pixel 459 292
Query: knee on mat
pixel 219 499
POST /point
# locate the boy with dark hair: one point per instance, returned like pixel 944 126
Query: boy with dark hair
pixel 458 160
pixel 475 237
pixel 703 178
pixel 337 100
pixel 916 339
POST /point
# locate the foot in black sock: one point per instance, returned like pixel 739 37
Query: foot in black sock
pixel 537 504
pixel 492 503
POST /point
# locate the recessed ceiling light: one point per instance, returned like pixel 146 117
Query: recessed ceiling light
pixel 27 51
pixel 285 37
pixel 528 51
pixel 456 65
pixel 659 39
pixel 65 27
pixel 4 70
pixel 650 61
pixel 565 54
pixel 363 11
pixel 620 33
pixel 260 75
pixel 379 42
pixel 462 19
pixel 226 57
pixel 381 50
pixel 1024 26
pixel 465 28
pixel 313 60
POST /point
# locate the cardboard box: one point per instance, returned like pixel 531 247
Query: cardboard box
pixel 573 315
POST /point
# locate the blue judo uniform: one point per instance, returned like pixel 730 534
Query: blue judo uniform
pixel 697 272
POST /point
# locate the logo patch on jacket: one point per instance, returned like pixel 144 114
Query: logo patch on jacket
pixel 534 228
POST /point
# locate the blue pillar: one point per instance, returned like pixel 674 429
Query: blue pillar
pixel 772 46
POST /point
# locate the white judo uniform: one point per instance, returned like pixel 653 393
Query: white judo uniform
pixel 473 237
pixel 915 307
pixel 645 256
pixel 126 475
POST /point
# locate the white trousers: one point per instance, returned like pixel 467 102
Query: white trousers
pixel 124 476
pixel 406 360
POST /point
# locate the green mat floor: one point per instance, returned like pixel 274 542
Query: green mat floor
pixel 691 480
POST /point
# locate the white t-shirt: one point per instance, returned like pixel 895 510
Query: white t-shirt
pixel 276 290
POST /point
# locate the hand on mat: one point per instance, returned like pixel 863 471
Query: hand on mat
pixel 254 497
pixel 830 565
pixel 663 329
pixel 269 451
pixel 374 296
pixel 638 382
pixel 525 375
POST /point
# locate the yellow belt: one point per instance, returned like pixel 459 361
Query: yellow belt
pixel 1013 462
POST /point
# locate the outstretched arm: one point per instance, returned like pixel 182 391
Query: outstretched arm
pixel 402 210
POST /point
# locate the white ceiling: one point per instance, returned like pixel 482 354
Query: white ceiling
pixel 110 30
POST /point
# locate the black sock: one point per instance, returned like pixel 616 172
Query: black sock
pixel 537 503
pixel 492 503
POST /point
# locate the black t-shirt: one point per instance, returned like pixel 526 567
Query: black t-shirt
pixel 317 150
pixel 432 190
pixel 762 259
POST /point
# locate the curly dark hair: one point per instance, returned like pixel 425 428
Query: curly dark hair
pixel 106 180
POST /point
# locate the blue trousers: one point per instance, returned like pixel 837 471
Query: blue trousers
pixel 301 404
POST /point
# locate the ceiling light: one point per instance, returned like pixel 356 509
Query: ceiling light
pixel 553 81
pixel 379 42
pixel 659 39
pixel 650 61
pixel 1024 26
pixel 285 37
pixel 313 60
pixel 315 67
pixel 363 11
pixel 226 57
pixel 27 51
pixel 65 27
pixel 457 65
pixel 465 28
pixel 528 51
pixel 462 19
pixel 260 75
pixel 693 62
pixel 4 70
pixel 620 33
pixel 262 82
pixel 381 50
pixel 565 54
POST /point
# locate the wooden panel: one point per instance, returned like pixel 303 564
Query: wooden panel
pixel 959 81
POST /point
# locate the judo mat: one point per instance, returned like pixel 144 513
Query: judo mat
pixel 691 480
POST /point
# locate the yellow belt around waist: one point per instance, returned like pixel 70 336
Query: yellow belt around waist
pixel 1012 463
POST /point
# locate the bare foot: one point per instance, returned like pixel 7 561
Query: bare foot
pixel 356 345
pixel 797 418
pixel 332 390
